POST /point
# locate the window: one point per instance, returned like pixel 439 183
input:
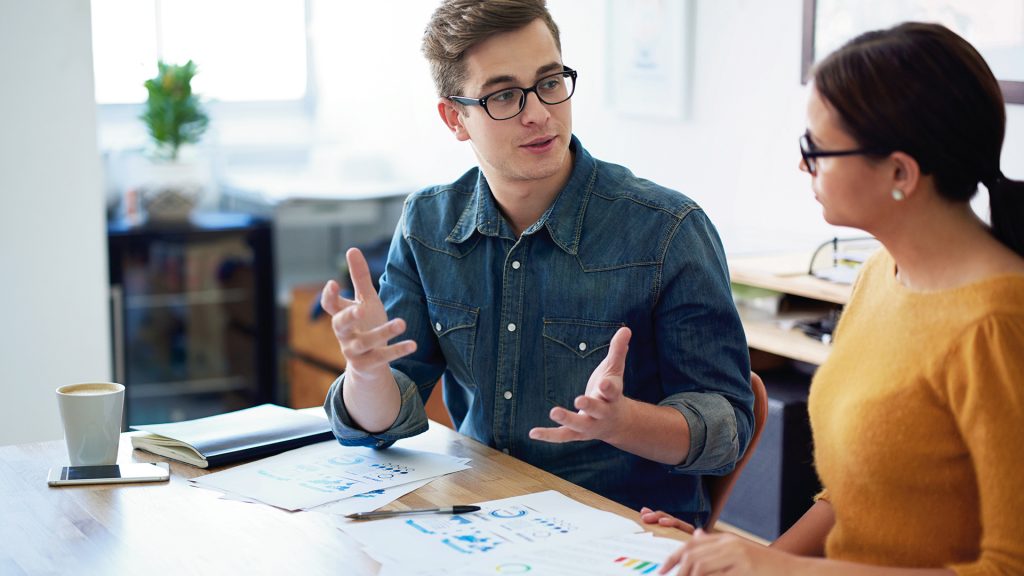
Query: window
pixel 245 50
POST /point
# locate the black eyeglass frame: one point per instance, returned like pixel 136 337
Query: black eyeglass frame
pixel 810 154
pixel 482 102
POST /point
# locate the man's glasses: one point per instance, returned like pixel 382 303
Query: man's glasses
pixel 811 154
pixel 509 102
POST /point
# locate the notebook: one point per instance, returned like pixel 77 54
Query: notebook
pixel 241 435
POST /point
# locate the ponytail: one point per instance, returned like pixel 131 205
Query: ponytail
pixel 1006 201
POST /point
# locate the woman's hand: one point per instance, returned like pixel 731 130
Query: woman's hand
pixel 722 553
pixel 726 553
pixel 648 516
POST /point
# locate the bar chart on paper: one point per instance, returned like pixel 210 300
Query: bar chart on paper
pixel 637 565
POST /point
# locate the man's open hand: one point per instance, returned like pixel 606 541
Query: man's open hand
pixel 603 411
pixel 361 325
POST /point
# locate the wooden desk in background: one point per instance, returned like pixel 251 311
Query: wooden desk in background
pixel 174 528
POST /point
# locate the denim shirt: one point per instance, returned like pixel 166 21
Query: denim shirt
pixel 517 326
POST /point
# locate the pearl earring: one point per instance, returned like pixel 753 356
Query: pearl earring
pixel 898 194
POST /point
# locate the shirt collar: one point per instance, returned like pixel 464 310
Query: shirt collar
pixel 563 219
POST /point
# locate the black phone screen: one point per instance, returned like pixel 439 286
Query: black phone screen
pixel 90 472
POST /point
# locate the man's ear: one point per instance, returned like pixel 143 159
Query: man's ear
pixel 451 115
pixel 906 173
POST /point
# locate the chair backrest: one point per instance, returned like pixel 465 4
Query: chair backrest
pixel 721 486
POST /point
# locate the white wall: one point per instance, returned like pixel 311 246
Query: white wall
pixel 736 153
pixel 53 261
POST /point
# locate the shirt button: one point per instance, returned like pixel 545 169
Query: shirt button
pixel 437 326
pixel 583 346
pixel 505 450
pixel 507 395
pixel 511 327
pixel 515 264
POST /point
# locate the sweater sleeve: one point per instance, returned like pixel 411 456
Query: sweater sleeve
pixel 985 388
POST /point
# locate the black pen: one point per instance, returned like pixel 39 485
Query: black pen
pixel 390 513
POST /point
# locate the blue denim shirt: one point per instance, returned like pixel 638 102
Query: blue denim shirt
pixel 516 326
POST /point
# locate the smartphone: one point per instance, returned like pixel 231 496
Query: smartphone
pixel 116 474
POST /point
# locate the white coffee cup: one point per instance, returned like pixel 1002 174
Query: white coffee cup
pixel 91 413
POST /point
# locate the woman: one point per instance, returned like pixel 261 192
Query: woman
pixel 918 414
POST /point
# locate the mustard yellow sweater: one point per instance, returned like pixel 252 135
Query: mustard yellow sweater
pixel 918 422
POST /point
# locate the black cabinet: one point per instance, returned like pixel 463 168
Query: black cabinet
pixel 779 482
pixel 192 310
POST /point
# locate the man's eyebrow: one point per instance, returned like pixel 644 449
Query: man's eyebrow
pixel 494 80
pixel 507 79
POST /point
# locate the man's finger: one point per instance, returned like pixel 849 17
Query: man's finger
pixel 616 359
pixel 359 270
pixel 555 435
pixel 610 389
pixel 331 300
pixel 344 323
pixel 376 338
pixel 397 350
pixel 575 421
pixel 594 407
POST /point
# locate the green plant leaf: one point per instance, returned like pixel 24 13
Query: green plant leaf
pixel 173 115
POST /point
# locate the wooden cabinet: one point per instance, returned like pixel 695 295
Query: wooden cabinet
pixel 314 358
pixel 779 481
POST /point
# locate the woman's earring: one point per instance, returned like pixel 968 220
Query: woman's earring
pixel 898 194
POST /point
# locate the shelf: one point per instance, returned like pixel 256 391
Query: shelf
pixel 204 386
pixel 198 298
pixel 787 274
pixel 766 332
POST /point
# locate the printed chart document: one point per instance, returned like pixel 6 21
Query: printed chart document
pixel 325 472
pixel 369 501
pixel 422 544
pixel 628 555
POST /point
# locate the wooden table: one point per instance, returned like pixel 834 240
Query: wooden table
pixel 175 528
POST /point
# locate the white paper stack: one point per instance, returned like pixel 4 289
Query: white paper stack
pixel 327 472
pixel 510 528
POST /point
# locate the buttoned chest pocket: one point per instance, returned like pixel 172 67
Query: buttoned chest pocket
pixel 572 350
pixel 454 326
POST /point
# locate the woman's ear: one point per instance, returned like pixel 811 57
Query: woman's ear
pixel 906 173
pixel 451 115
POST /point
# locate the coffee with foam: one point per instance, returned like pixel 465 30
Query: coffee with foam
pixel 89 389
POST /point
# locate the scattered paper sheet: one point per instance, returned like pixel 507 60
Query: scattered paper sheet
pixel 628 555
pixel 326 472
pixel 369 501
pixel 424 544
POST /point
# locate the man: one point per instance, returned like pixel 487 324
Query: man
pixel 524 281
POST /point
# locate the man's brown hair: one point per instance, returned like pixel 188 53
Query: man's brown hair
pixel 458 25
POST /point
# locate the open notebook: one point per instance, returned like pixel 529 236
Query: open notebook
pixel 241 435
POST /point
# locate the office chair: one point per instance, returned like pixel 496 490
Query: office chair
pixel 721 486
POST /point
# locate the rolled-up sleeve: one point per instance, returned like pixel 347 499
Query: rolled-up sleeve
pixel 411 420
pixel 714 449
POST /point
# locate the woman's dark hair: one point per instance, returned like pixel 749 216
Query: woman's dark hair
pixel 923 90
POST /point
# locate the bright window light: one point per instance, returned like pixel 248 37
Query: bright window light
pixel 245 50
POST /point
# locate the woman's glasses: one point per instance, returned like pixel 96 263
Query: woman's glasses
pixel 811 154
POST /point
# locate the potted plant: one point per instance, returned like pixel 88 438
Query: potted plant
pixel 173 113
pixel 174 118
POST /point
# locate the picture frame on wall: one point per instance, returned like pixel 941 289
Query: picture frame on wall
pixel 649 43
pixel 994 27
